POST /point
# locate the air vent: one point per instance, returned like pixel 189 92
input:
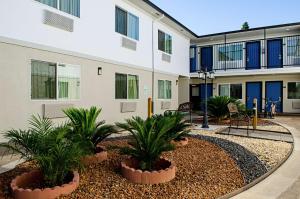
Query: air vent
pixel 166 57
pixel 58 21
pixel 127 43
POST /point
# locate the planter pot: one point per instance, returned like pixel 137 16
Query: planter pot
pixel 98 157
pixel 181 143
pixel 165 174
pixel 47 193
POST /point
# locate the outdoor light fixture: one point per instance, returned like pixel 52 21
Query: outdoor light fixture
pixel 99 70
pixel 204 74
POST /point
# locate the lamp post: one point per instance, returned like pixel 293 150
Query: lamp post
pixel 204 74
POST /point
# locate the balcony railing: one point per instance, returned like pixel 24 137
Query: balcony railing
pixel 257 54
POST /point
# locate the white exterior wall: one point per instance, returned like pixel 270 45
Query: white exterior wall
pixel 94 33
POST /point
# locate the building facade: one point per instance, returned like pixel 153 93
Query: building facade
pixel 261 63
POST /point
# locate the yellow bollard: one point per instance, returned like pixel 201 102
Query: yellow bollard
pixel 150 112
pixel 255 113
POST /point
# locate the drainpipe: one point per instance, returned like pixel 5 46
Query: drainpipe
pixel 153 70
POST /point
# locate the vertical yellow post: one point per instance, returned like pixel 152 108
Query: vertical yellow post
pixel 255 113
pixel 150 112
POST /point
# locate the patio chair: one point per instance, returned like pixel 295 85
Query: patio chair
pixel 235 115
pixel 184 108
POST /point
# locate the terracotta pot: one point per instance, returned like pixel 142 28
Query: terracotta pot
pixel 96 158
pixel 47 193
pixel 129 171
pixel 180 143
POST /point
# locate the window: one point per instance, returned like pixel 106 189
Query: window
pixel 164 89
pixel 293 46
pixel 195 91
pixel 231 90
pixel 164 42
pixel 127 24
pixel 127 86
pixel 231 52
pixel 69 6
pixel 192 53
pixel 294 90
pixel 54 81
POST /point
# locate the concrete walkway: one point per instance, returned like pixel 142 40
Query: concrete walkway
pixel 284 183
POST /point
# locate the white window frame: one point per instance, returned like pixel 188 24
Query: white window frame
pixel 165 40
pixel 287 90
pixel 57 89
pixel 165 91
pixel 229 84
pixel 127 74
pixel 58 8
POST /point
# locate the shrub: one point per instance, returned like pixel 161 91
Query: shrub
pixel 179 129
pixel 149 139
pixel 55 155
pixel 86 129
pixel 217 106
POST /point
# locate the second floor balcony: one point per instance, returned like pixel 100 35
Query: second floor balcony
pixel 268 53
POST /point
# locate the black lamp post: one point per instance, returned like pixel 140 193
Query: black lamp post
pixel 204 74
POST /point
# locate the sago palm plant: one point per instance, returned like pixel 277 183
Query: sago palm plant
pixel 149 139
pixel 55 155
pixel 217 106
pixel 86 129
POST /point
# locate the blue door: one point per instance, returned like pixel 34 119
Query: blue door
pixel 207 58
pixel 253 55
pixel 253 90
pixel 202 93
pixel 193 59
pixel 275 53
pixel 274 94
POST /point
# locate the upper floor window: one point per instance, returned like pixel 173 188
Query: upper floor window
pixel 164 89
pixel 164 42
pixel 127 24
pixel 293 46
pixel 231 90
pixel 54 81
pixel 294 90
pixel 231 52
pixel 69 6
pixel 126 86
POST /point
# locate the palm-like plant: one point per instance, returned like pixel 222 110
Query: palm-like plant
pixel 217 106
pixel 179 129
pixel 55 155
pixel 86 129
pixel 149 139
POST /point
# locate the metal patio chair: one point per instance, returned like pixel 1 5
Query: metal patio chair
pixel 184 108
pixel 235 115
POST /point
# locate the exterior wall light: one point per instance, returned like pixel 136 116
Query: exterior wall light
pixel 99 70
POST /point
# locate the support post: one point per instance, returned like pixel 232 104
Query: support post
pixel 150 112
pixel 255 113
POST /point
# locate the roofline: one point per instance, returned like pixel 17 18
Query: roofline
pixel 249 30
pixel 170 17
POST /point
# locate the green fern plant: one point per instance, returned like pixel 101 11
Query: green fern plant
pixel 86 129
pixel 55 155
pixel 149 139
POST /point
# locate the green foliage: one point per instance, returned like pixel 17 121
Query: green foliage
pixel 48 146
pixel 217 106
pixel 85 128
pixel 149 139
pixel 179 129
pixel 245 26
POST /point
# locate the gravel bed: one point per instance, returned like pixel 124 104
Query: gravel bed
pixel 204 170
pixel 249 164
pixel 268 151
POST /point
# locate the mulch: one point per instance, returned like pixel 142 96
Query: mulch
pixel 204 170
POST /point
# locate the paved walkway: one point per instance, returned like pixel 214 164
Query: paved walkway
pixel 284 183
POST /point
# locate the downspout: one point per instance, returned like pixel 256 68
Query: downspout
pixel 153 70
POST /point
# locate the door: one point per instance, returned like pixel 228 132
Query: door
pixel 253 55
pixel 253 90
pixel 202 94
pixel 274 94
pixel 207 58
pixel 275 53
pixel 195 96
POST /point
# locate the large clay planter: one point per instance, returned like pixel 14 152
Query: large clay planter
pixel 47 193
pixel 129 171
pixel 96 158
pixel 181 143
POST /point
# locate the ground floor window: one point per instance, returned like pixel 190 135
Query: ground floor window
pixel 231 90
pixel 126 86
pixel 164 89
pixel 54 81
pixel 294 90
